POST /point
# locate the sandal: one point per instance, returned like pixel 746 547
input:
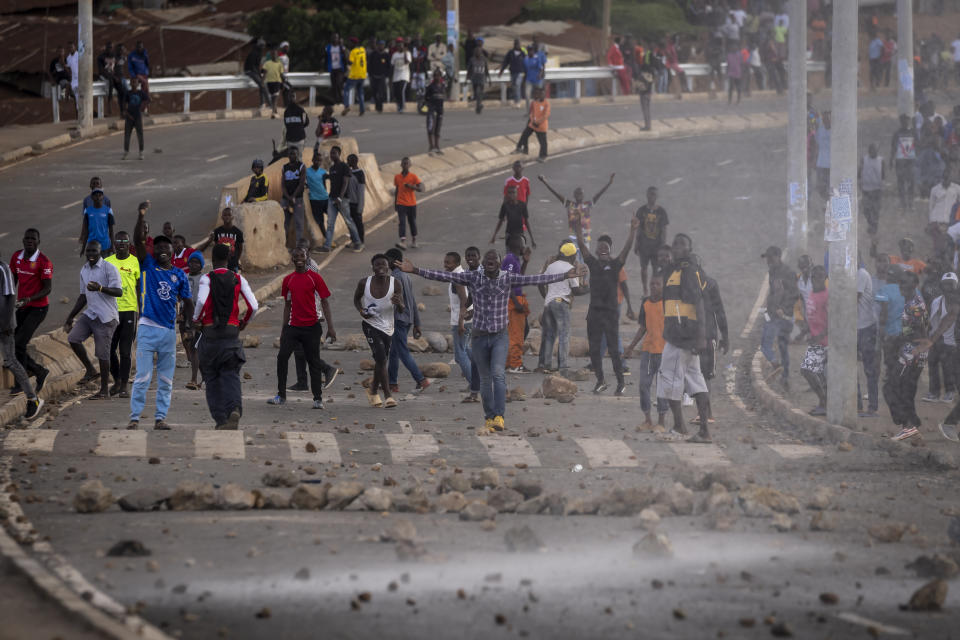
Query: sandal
pixel 375 400
pixel 193 386
pixel 389 403
pixel 698 439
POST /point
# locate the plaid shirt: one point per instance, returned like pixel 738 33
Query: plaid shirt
pixel 490 295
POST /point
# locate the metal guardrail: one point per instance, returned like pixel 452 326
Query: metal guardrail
pixel 312 81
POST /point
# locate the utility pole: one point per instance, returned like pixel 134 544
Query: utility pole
pixel 841 223
pixel 904 71
pixel 453 37
pixel 797 130
pixel 85 66
pixel 605 25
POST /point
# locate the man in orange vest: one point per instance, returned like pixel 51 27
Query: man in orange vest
pixel 538 122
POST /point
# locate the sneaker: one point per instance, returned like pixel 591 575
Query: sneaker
pixel 275 400
pixel 389 403
pixel 124 156
pixel 949 431
pixel 687 401
pixel 906 432
pixel 233 421
pixel 423 384
pixel 329 375
pixel 133 424
pixel 488 424
pixel 161 425
pixel 318 404
pixel 402 244
pixel 817 411
pixel 140 157
pixel 600 387
pixel 626 370
pixel 520 369
pixel 322 249
pixel 298 387
pixel 413 241
pixel 33 407
pixel 948 397
pixel 356 247
pixel 41 380
pixel 621 388
pixel 930 398
pixel 498 424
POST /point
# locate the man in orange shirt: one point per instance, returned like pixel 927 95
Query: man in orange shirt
pixel 905 260
pixel 539 116
pixel 406 184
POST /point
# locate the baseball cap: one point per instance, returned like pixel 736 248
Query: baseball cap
pixel 284 44
pixel 949 275
pixel 569 249
pixel 771 251
pixel 100 191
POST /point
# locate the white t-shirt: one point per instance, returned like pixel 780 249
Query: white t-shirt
pixel 401 66
pixel 560 289
pixel 866 309
pixel 739 15
pixel 454 300
pixel 942 200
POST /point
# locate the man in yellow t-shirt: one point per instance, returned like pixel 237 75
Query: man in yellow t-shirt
pixel 356 75
pixel 273 76
pixel 128 305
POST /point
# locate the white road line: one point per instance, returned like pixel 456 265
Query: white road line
pixel 857 619
pixel 405 426
pixel 604 452
pixel 407 447
pixel 72 204
pixel 4 234
pixel 730 376
pixel 325 444
pixel 361 130
pixel 121 443
pixel 627 203
pixel 795 451
pixel 32 440
pixel 674 181
pixel 218 444
pixel 149 180
pixel 779 150
pixel 700 455
pixel 724 163
pixel 508 452
pixel 755 312
pixel 215 158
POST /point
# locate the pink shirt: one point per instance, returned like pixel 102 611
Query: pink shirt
pixel 817 315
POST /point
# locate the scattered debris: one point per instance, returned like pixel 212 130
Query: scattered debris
pixel 822 499
pixel 128 549
pixel 522 539
pixel 887 532
pixel 654 544
pixel 556 387
pixel 504 500
pixel 377 499
pixel 938 566
pixel 477 511
pixel 829 598
pixel 343 493
pixel 145 499
pixel 822 521
pixel 193 496
pixel 92 497
pixel 309 496
pixel 781 522
pixel 403 530
pixel 929 597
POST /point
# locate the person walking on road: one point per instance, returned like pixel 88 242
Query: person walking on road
pixel 518 180
pixel 406 184
pixel 646 77
pixel 97 225
pixel 101 285
pixel 650 332
pixel 163 285
pixel 405 318
pixel 136 105
pixel 904 154
pixel 515 261
pixel 220 353
pixel 538 122
pixel 460 325
pixel 433 98
pixel 377 299
pixel 778 325
pixel 490 289
pixel 651 235
pixel 33 273
pixel 513 60
pixel 478 69
pixel 127 306
pixel 356 74
pixel 604 312
pixel 335 61
pixel 514 212
pixel 301 326
pixel 356 194
pixel 8 322
pixel 867 342
pixel 300 362
pixel 578 209
pixel 316 187
pixel 295 123
pixel 715 330
pixel 950 312
pixel 274 76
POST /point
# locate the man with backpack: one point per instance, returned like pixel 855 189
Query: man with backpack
pixel 220 352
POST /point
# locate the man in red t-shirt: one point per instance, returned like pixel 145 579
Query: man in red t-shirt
pixel 33 272
pixel 519 181
pixel 302 326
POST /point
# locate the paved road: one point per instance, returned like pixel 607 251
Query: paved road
pixel 212 572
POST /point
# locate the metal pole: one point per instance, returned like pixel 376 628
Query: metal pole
pixel 842 323
pixel 453 37
pixel 797 131
pixel 85 66
pixel 904 70
pixel 605 20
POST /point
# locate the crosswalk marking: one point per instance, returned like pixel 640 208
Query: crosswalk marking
pixel 121 443
pixel 31 440
pixel 509 452
pixel 327 451
pixel 701 455
pixel 218 444
pixel 794 451
pixel 603 452
pixel 405 447
pixel 627 203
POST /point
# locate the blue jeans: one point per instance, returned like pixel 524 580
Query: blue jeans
pixel 490 355
pixel 163 343
pixel 349 88
pixel 554 324
pixel 400 351
pixel 517 81
pixel 461 351
pixel 334 208
pixel 777 330
pixel 603 337
pixel 867 350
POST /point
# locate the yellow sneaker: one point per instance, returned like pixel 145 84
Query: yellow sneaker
pixel 488 424
pixel 498 424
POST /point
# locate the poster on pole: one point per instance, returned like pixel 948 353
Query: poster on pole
pixel 837 219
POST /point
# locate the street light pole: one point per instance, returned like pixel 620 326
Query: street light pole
pixel 841 225
pixel 904 70
pixel 797 131
pixel 85 66
pixel 453 37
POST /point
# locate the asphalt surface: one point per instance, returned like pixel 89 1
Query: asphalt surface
pixel 211 573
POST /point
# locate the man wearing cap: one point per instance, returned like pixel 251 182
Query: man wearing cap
pixel 435 53
pixel 948 320
pixel 356 74
pixel 778 324
pixel 380 70
pixel 557 300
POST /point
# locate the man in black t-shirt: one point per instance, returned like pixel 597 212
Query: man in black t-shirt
pixel 650 237
pixel 515 213
pixel 604 311
pixel 295 121
pixel 433 98
pixel 378 63
pixel 339 175
pixel 227 234
pixel 293 178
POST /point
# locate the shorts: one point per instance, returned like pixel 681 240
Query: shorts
pixel 379 342
pixel 679 372
pixel 815 360
pixel 274 88
pixel 708 360
pixel 102 333
pixel 434 120
pixel 648 256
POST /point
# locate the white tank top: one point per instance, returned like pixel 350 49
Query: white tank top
pixel 380 309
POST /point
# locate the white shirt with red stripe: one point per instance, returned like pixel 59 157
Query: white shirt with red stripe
pixel 203 310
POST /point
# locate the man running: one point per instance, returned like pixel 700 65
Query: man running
pixel 537 122
pixel 33 273
pixel 162 286
pixel 578 209
pixel 220 352
pixel 603 314
pixel 377 298
pixel 8 320
pixel 490 289
pixel 652 234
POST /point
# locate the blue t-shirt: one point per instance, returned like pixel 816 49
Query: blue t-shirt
pixel 533 66
pixel 88 202
pixel 318 191
pixel 890 293
pixel 98 225
pixel 161 289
